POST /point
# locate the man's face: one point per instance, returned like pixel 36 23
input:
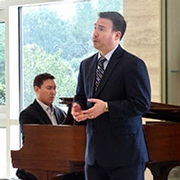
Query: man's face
pixel 46 93
pixel 103 36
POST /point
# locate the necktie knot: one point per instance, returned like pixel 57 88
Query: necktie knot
pixel 49 110
pixel 101 60
pixel 50 113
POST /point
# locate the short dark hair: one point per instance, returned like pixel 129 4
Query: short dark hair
pixel 119 23
pixel 38 80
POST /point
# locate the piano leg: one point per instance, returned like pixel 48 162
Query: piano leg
pixel 161 170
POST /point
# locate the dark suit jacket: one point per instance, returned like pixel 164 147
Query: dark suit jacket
pixel 34 114
pixel 116 138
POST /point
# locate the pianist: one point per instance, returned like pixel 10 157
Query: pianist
pixel 42 111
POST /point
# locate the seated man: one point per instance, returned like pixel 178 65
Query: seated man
pixel 42 111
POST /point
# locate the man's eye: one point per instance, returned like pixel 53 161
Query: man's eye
pixel 101 29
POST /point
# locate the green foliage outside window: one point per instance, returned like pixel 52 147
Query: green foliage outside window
pixel 2 64
pixel 57 42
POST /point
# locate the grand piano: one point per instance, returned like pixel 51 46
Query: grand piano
pixel 49 152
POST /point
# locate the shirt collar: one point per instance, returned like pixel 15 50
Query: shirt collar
pixel 44 106
pixel 109 54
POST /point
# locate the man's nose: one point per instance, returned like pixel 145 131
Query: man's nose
pixel 95 33
pixel 53 91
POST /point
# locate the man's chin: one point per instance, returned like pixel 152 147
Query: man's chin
pixel 50 102
pixel 95 46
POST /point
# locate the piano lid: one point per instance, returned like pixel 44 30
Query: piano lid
pixel 160 111
pixel 163 111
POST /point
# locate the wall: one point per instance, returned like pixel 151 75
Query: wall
pixel 143 37
pixel 173 52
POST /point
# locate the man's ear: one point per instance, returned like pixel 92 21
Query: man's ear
pixel 36 89
pixel 118 35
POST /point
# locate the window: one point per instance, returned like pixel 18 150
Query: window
pixel 2 98
pixel 2 63
pixel 50 39
pixel 55 40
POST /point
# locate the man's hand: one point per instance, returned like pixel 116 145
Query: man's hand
pixel 77 113
pixel 96 110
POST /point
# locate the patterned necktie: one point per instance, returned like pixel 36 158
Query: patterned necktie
pixel 99 71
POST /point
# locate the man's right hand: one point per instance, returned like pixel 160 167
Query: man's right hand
pixel 77 112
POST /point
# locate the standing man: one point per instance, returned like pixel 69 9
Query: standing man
pixel 112 101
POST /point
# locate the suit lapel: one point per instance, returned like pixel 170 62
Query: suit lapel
pixel 57 115
pixel 42 114
pixel 114 60
pixel 92 75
